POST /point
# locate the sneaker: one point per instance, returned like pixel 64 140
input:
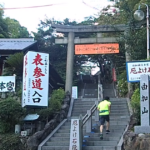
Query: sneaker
pixel 101 136
pixel 107 131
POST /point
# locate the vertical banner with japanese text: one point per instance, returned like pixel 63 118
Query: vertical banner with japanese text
pixel 74 135
pixel 144 100
pixel 35 79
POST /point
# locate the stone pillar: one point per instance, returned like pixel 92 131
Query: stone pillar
pixel 70 60
pixel 145 106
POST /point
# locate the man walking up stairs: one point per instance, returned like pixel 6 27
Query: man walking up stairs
pixel 104 112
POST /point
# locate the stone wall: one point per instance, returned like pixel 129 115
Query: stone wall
pixel 132 141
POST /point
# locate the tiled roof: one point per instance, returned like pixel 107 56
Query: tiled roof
pixel 16 44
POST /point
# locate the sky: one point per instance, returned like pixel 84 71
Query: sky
pixel 58 9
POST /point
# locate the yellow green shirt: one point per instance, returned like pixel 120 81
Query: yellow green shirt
pixel 103 107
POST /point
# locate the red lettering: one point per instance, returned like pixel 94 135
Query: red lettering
pixel 148 70
pixel 38 72
pixel 26 60
pixel 37 84
pixel 133 70
pixel 25 72
pixel 37 60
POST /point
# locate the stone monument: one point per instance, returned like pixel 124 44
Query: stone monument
pixel 144 106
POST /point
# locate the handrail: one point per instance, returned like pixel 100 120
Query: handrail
pixel 86 117
pixel 70 108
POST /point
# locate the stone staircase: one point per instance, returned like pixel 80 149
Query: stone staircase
pixel 119 119
pixel 118 122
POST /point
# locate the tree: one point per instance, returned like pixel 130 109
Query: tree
pixel 15 29
pixel 3 25
pixel 14 64
pixel 11 28
pixel 10 113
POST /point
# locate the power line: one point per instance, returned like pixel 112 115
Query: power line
pixel 31 6
pixel 46 6
pixel 89 5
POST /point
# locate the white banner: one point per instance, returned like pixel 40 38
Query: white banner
pixel 136 69
pixel 35 79
pixel 75 92
pixel 7 83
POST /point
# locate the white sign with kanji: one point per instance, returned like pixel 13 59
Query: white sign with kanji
pixel 74 135
pixel 136 69
pixel 75 92
pixel 35 79
pixel 7 83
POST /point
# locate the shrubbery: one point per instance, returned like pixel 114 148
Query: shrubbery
pixel 135 104
pixel 54 105
pixel 122 84
pixel 10 113
pixel 11 142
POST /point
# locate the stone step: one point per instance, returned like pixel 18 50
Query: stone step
pixel 58 143
pixel 112 134
pixel 87 139
pixel 104 139
pixel 113 128
pixel 117 107
pixel 96 128
pixel 112 105
pixel 124 122
pixel 101 143
pixel 88 143
pixel 83 111
pixel 55 148
pixel 99 148
pixel 112 113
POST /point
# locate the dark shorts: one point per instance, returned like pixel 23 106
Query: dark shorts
pixel 103 118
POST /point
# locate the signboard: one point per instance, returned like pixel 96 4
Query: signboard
pixel 75 92
pixel 35 79
pixel 74 135
pixel 109 48
pixel 7 83
pixel 137 68
pixel 144 100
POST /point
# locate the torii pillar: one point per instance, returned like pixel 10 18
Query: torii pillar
pixel 70 60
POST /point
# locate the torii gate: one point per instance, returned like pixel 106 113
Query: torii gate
pixel 71 40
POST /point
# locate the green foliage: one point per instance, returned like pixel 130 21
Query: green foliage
pixel 56 99
pixel 15 29
pixel 135 104
pixel 122 84
pixel 11 142
pixel 45 114
pixel 14 64
pixel 54 105
pixel 10 113
pixel 11 28
pixel 3 26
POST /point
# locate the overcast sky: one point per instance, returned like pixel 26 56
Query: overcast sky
pixel 61 9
